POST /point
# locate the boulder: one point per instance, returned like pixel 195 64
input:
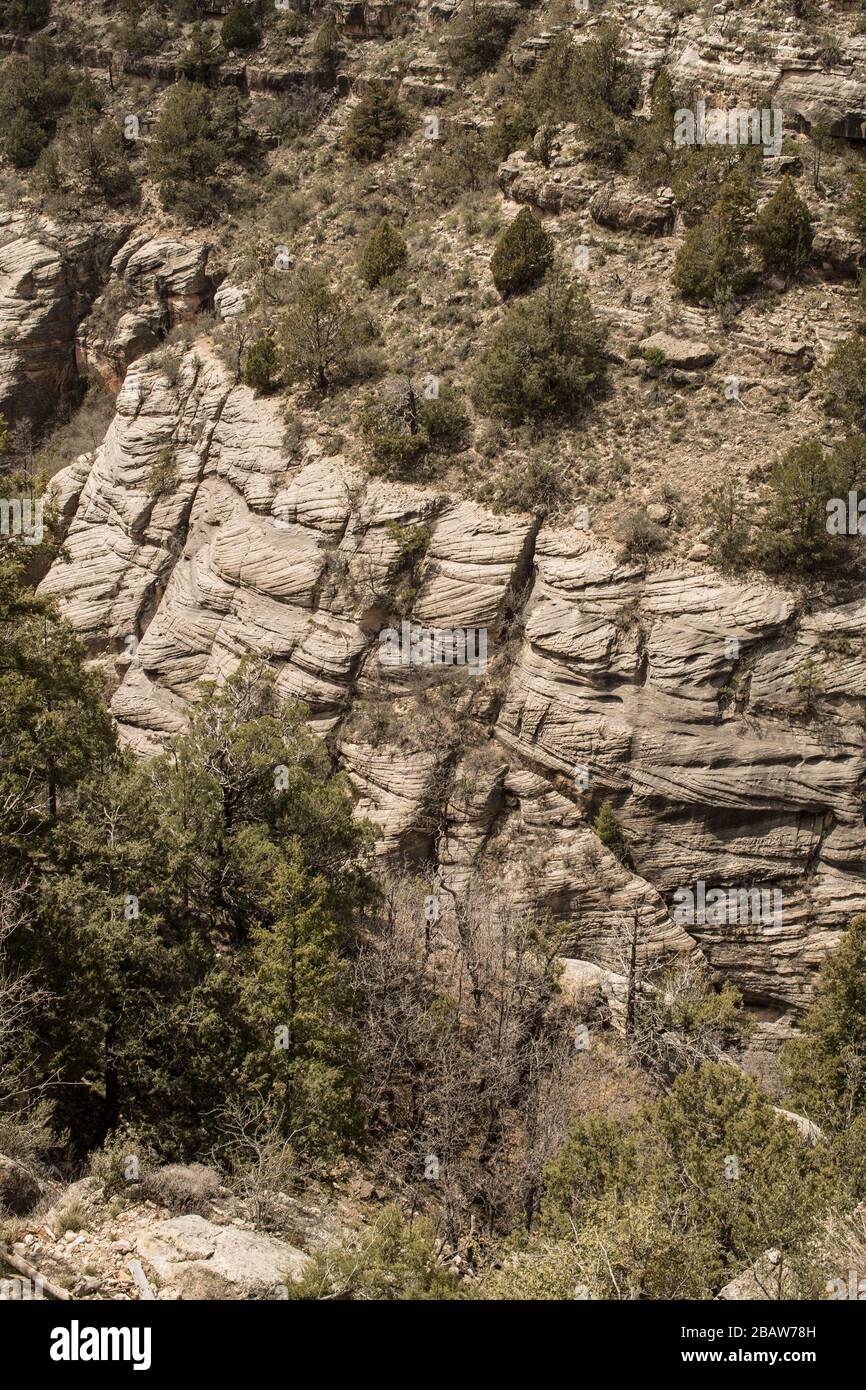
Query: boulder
pixel 679 352
pixel 622 208
pixel 183 1248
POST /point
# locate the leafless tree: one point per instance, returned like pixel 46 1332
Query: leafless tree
pixel 465 1045
pixel 259 1157
pixel 24 1112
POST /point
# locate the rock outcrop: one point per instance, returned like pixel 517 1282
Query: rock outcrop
pixel 48 279
pixel 673 694
pixel 155 283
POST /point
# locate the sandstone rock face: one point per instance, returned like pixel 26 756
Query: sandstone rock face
pixel 673 694
pixel 162 282
pixel 679 352
pixel 366 18
pixel 48 279
pixel 555 190
pixel 229 300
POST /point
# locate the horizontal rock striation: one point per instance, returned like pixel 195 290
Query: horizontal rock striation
pixel 676 694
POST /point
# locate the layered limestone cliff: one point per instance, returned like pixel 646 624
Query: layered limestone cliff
pixel 194 535
pixel 673 693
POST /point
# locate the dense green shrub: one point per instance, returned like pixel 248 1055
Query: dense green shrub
pixel 239 28
pixel 826 1065
pixel 396 1259
pixel 522 255
pixel 545 357
pixel 607 828
pixel 23 16
pixel 397 444
pixel 383 255
pixel 91 151
pixel 138 32
pixel 407 433
pixel 201 59
pixel 32 99
pixel 792 534
pixel 593 84
pixel 326 45
pixel 711 265
pixel 375 123
pixel 513 128
pixel 843 381
pixel 476 38
pixel 726 513
pixel 320 335
pixel 788 529
pixel 783 232
pixel 261 365
pixel 538 486
pixel 657 1209
pixel 23 140
pixel 446 421
pixel 463 164
pixel 698 174
pixel 552 91
pixel 654 155
pixel 855 207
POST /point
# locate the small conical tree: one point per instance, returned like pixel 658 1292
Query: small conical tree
pixel 262 365
pixel 606 827
pixel 783 231
pixel 383 255
pixel 239 28
pixel 326 44
pixel 523 252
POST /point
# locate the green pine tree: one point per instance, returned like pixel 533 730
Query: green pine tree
pixel 383 255
pixel 783 232
pixel 522 255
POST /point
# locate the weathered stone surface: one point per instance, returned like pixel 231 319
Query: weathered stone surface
pixel 679 352
pixel 556 190
pixel 624 209
pixel 635 703
pixel 252 1261
pixel 674 694
pixel 164 282
pixel 229 300
pixel 48 279
pixel 837 250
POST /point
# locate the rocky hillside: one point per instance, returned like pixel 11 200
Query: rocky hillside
pixel 655 681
